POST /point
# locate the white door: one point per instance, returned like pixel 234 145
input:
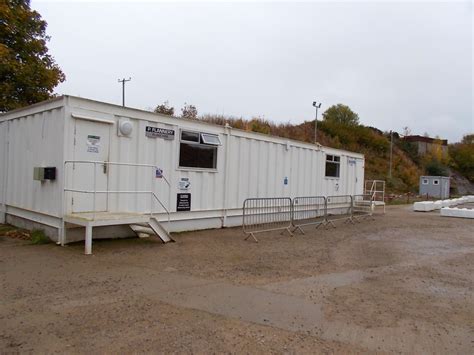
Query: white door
pixel 359 177
pixel 91 143
pixel 445 191
pixel 350 179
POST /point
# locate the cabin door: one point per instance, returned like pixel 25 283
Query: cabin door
pixel 351 178
pixel 91 143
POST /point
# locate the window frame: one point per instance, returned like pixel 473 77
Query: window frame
pixel 436 182
pixel 187 140
pixel 203 140
pixel 336 160
pixel 190 142
pixel 425 182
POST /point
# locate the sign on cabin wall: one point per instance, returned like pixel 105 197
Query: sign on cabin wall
pixel 93 143
pixel 159 173
pixel 156 132
pixel 183 202
pixel 184 184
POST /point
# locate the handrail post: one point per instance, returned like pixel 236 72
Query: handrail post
pixel 95 188
pixel 152 192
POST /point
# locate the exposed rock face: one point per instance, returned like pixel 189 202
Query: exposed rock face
pixel 461 185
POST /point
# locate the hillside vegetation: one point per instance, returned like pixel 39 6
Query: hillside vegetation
pixel 374 144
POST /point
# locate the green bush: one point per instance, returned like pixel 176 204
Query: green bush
pixel 38 237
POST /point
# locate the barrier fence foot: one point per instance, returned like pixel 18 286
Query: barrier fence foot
pixel 350 220
pixel 287 230
pixel 330 223
pixel 298 228
pixel 253 236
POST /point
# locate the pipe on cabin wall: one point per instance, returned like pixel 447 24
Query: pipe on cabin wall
pixel 228 134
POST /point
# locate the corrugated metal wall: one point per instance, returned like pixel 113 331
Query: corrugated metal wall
pixel 30 141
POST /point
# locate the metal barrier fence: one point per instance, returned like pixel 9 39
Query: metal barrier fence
pixel 337 208
pixel 362 207
pixel 308 211
pixel 284 213
pixel 266 214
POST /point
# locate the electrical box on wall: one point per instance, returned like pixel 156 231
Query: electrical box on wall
pixel 47 173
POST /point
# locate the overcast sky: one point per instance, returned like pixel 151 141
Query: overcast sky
pixel 395 64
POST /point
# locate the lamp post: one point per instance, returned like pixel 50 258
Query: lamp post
pixel 316 105
pixel 391 153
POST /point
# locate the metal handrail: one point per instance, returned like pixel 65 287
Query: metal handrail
pixel 374 188
pixel 114 163
pixel 94 191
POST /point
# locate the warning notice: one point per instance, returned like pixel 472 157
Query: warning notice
pixel 93 144
pixel 183 202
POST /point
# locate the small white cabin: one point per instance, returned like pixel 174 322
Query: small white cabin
pixel 71 164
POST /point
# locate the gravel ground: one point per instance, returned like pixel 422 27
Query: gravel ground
pixel 401 283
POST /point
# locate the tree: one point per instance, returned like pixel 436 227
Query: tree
pixel 164 109
pixel 28 74
pixel 189 111
pixel 468 139
pixel 462 155
pixel 341 114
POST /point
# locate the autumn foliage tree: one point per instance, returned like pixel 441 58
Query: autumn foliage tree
pixel 189 111
pixel 462 155
pixel 164 109
pixel 28 74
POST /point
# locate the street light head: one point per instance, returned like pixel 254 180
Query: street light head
pixel 315 104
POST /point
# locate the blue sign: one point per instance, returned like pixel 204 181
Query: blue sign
pixel 159 173
pixel 285 180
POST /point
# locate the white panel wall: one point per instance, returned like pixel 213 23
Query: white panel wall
pixel 34 140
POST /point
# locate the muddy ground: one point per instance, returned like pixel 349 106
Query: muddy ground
pixel 401 283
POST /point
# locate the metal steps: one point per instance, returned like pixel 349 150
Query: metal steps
pixel 151 228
